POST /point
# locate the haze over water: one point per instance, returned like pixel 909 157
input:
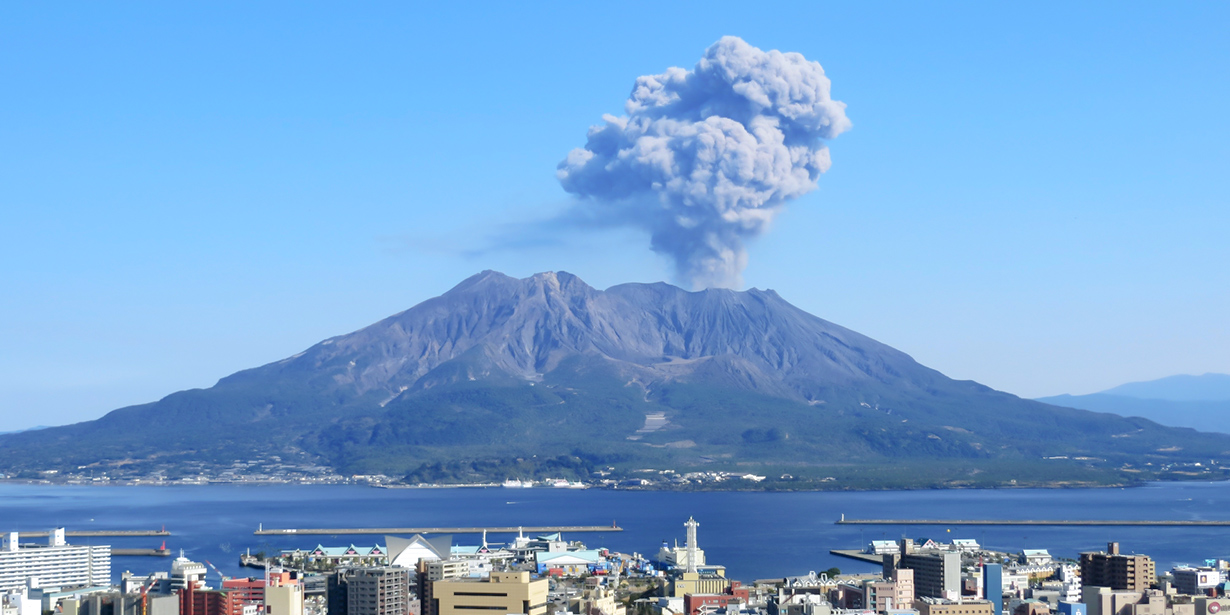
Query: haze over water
pixel 755 535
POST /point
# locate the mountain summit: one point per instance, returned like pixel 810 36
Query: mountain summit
pixel 500 376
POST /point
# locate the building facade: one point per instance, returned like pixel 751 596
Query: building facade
pixel 1117 571
pixel 378 591
pixel 936 574
pixel 502 592
pixel 55 564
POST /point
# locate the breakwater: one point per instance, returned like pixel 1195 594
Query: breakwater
pixel 344 531
pixel 164 552
pixel 1038 522
pixel 100 533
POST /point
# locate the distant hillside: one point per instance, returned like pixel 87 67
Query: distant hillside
pixel 1199 402
pixel 1208 387
pixel 503 377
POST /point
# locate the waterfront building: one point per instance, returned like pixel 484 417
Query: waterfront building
pixel 880 547
pixel 1115 570
pixel 1034 557
pixel 378 591
pixel 55 564
pixel 689 555
pixel 186 573
pixel 349 555
pixel 569 563
pixel 966 545
pixel 502 592
pixel 408 552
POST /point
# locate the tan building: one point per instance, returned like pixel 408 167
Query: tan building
pixel 503 592
pixel 932 606
pixel 896 593
pixel 712 581
pixel 597 600
pixel 1116 570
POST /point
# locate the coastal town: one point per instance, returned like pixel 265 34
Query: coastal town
pixel 552 574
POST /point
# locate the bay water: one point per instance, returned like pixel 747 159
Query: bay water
pixel 755 535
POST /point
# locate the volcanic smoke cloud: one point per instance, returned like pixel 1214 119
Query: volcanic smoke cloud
pixel 704 159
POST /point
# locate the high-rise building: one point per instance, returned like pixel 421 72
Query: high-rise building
pixel 55 564
pixel 993 586
pixel 430 571
pixel 378 591
pixel 1115 570
pixel 337 591
pixel 936 574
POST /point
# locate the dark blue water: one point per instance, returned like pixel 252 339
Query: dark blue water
pixel 756 535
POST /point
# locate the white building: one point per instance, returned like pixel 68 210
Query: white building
pixel 1195 581
pixel 54 564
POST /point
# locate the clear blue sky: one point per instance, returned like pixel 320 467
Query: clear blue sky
pixel 1033 195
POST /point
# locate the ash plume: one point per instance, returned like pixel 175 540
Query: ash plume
pixel 705 159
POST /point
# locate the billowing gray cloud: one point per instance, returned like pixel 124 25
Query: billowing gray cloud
pixel 704 159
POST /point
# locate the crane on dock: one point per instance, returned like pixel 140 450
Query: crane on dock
pixel 221 576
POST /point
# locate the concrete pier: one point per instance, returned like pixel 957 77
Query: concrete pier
pixel 1056 522
pixel 343 531
pixel 150 552
pixel 859 555
pixel 99 533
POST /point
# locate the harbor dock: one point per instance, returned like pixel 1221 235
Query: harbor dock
pixel 262 531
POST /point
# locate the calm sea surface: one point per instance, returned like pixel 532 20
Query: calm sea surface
pixel 756 535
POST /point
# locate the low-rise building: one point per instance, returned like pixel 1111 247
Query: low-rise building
pixel 1195 581
pixel 502 592
pixel 936 606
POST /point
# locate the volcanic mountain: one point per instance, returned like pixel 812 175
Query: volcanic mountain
pixel 501 376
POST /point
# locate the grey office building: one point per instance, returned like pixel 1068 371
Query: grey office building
pixel 936 574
